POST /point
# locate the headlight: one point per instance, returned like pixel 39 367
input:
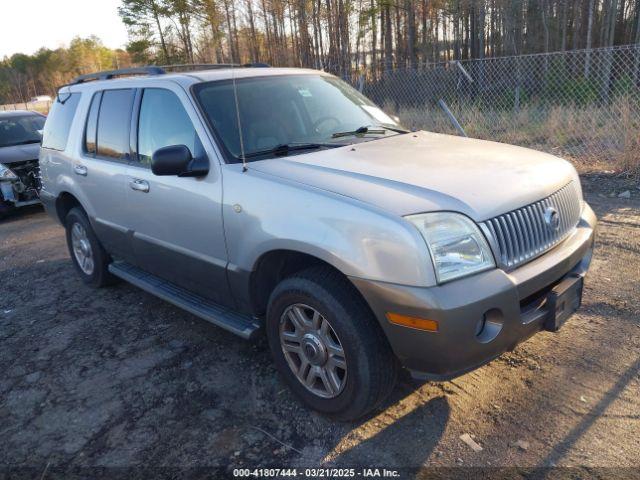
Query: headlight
pixel 6 174
pixel 456 244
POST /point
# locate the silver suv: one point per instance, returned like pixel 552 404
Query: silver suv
pixel 283 201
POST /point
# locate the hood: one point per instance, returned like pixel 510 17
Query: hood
pixel 423 172
pixel 19 153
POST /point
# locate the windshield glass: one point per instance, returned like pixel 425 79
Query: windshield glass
pixel 20 130
pixel 290 110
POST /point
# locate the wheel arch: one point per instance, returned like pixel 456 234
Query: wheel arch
pixel 64 203
pixel 274 266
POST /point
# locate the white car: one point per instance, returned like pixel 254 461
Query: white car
pixel 40 98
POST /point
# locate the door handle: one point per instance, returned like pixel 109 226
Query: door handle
pixel 80 170
pixel 139 185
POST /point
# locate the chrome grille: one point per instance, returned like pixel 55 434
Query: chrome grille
pixel 523 234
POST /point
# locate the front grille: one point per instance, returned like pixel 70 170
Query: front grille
pixel 523 234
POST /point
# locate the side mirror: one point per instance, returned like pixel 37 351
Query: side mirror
pixel 172 160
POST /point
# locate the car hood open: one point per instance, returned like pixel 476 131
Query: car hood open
pixel 422 172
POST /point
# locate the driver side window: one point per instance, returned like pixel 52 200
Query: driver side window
pixel 163 122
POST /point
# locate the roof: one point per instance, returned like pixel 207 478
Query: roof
pixel 189 78
pixel 228 73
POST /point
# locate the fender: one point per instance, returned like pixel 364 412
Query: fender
pixel 263 213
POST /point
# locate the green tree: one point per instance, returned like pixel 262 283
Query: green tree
pixel 145 16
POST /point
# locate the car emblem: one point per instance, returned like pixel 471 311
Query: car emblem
pixel 552 218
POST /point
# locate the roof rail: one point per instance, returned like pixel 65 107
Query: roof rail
pixel 211 66
pixel 158 70
pixel 109 74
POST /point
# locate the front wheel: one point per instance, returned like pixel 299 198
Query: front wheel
pixel 88 255
pixel 6 208
pixel 327 344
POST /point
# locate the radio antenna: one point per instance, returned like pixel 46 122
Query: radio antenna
pixel 235 95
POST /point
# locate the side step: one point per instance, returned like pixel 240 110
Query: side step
pixel 242 325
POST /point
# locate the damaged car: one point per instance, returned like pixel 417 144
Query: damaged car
pixel 20 137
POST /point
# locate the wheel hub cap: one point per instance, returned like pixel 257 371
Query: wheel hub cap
pixel 313 350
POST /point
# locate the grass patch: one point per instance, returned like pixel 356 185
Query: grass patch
pixel 594 137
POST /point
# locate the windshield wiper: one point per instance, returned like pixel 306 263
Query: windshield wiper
pixel 379 129
pixel 396 129
pixel 358 131
pixel 284 149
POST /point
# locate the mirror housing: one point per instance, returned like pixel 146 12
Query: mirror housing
pixel 172 160
pixel 177 160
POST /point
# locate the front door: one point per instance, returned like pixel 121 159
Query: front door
pixel 176 221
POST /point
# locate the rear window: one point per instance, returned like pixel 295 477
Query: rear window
pixel 59 120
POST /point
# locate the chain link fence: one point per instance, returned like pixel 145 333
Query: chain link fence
pixel 582 104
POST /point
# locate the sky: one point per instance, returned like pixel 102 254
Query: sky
pixel 27 25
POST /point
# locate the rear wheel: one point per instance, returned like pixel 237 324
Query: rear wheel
pixel 88 256
pixel 327 344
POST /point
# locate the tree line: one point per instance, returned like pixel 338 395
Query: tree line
pixel 341 36
pixel 346 35
pixel 25 76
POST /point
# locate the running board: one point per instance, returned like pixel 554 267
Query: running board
pixel 242 325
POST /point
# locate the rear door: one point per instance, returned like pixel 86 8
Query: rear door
pixel 101 169
pixel 176 221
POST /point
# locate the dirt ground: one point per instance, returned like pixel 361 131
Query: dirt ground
pixel 118 378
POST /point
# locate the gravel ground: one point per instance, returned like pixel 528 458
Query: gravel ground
pixel 116 377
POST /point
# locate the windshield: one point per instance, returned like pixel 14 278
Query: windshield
pixel 290 110
pixel 21 130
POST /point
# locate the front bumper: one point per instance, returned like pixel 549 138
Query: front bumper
pixel 512 304
pixel 9 198
pixel 23 189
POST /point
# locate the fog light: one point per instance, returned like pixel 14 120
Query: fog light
pixel 489 326
pixel 413 322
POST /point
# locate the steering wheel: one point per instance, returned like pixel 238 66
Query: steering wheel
pixel 325 119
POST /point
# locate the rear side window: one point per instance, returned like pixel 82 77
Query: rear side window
pixel 58 124
pixel 114 118
pixel 91 130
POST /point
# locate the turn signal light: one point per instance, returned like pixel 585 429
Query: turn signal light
pixel 413 322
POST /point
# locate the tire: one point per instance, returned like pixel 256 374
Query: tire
pixel 371 368
pixel 6 209
pixel 97 276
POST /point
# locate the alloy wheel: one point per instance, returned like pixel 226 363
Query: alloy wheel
pixel 82 248
pixel 313 350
